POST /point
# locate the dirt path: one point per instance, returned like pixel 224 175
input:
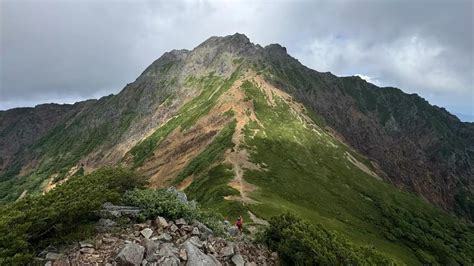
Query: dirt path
pixel 257 220
pixel 243 112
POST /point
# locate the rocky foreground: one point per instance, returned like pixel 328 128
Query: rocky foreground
pixel 158 242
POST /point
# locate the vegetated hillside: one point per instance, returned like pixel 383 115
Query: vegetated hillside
pixel 248 130
pixel 21 127
pixel 416 146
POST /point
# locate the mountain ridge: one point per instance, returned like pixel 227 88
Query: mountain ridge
pixel 243 128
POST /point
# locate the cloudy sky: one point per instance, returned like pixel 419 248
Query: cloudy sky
pixel 66 51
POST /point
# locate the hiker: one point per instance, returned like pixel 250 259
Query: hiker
pixel 239 223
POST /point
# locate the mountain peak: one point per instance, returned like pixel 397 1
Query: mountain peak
pixel 235 43
pixel 236 38
pixel 275 47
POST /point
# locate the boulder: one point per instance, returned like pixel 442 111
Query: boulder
pixel 106 222
pixel 108 209
pixel 181 196
pixel 204 230
pixel 233 231
pixel 238 260
pixel 150 248
pixel 131 254
pixel 227 251
pixel 161 222
pixel 187 228
pixel 195 241
pixel 165 237
pixel 85 245
pixel 173 228
pixel 109 240
pixel 53 256
pixel 195 232
pixel 180 221
pixel 167 250
pixel 86 250
pixel 168 261
pixel 196 257
pixel 183 255
pixel 146 233
pixel 47 250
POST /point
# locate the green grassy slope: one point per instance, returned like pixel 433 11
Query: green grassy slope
pixel 307 173
pixel 211 88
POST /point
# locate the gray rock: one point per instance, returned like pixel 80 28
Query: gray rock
pixel 195 241
pixel 109 240
pixel 169 261
pixel 161 222
pixel 227 251
pixel 173 228
pixel 53 256
pixel 165 237
pixel 233 231
pixel 106 222
pixel 108 209
pixel 204 230
pixel 85 245
pixel 183 255
pixel 146 233
pixel 150 248
pixel 181 196
pixel 187 228
pixel 86 250
pixel 195 232
pixel 131 254
pixel 167 250
pixel 180 221
pixel 48 249
pixel 238 260
pixel 196 257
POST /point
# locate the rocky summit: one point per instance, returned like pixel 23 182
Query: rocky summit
pixel 244 130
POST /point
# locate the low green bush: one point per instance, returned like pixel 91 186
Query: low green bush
pixel 301 243
pixel 165 203
pixel 32 223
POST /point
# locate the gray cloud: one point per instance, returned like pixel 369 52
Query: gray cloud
pixel 64 51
